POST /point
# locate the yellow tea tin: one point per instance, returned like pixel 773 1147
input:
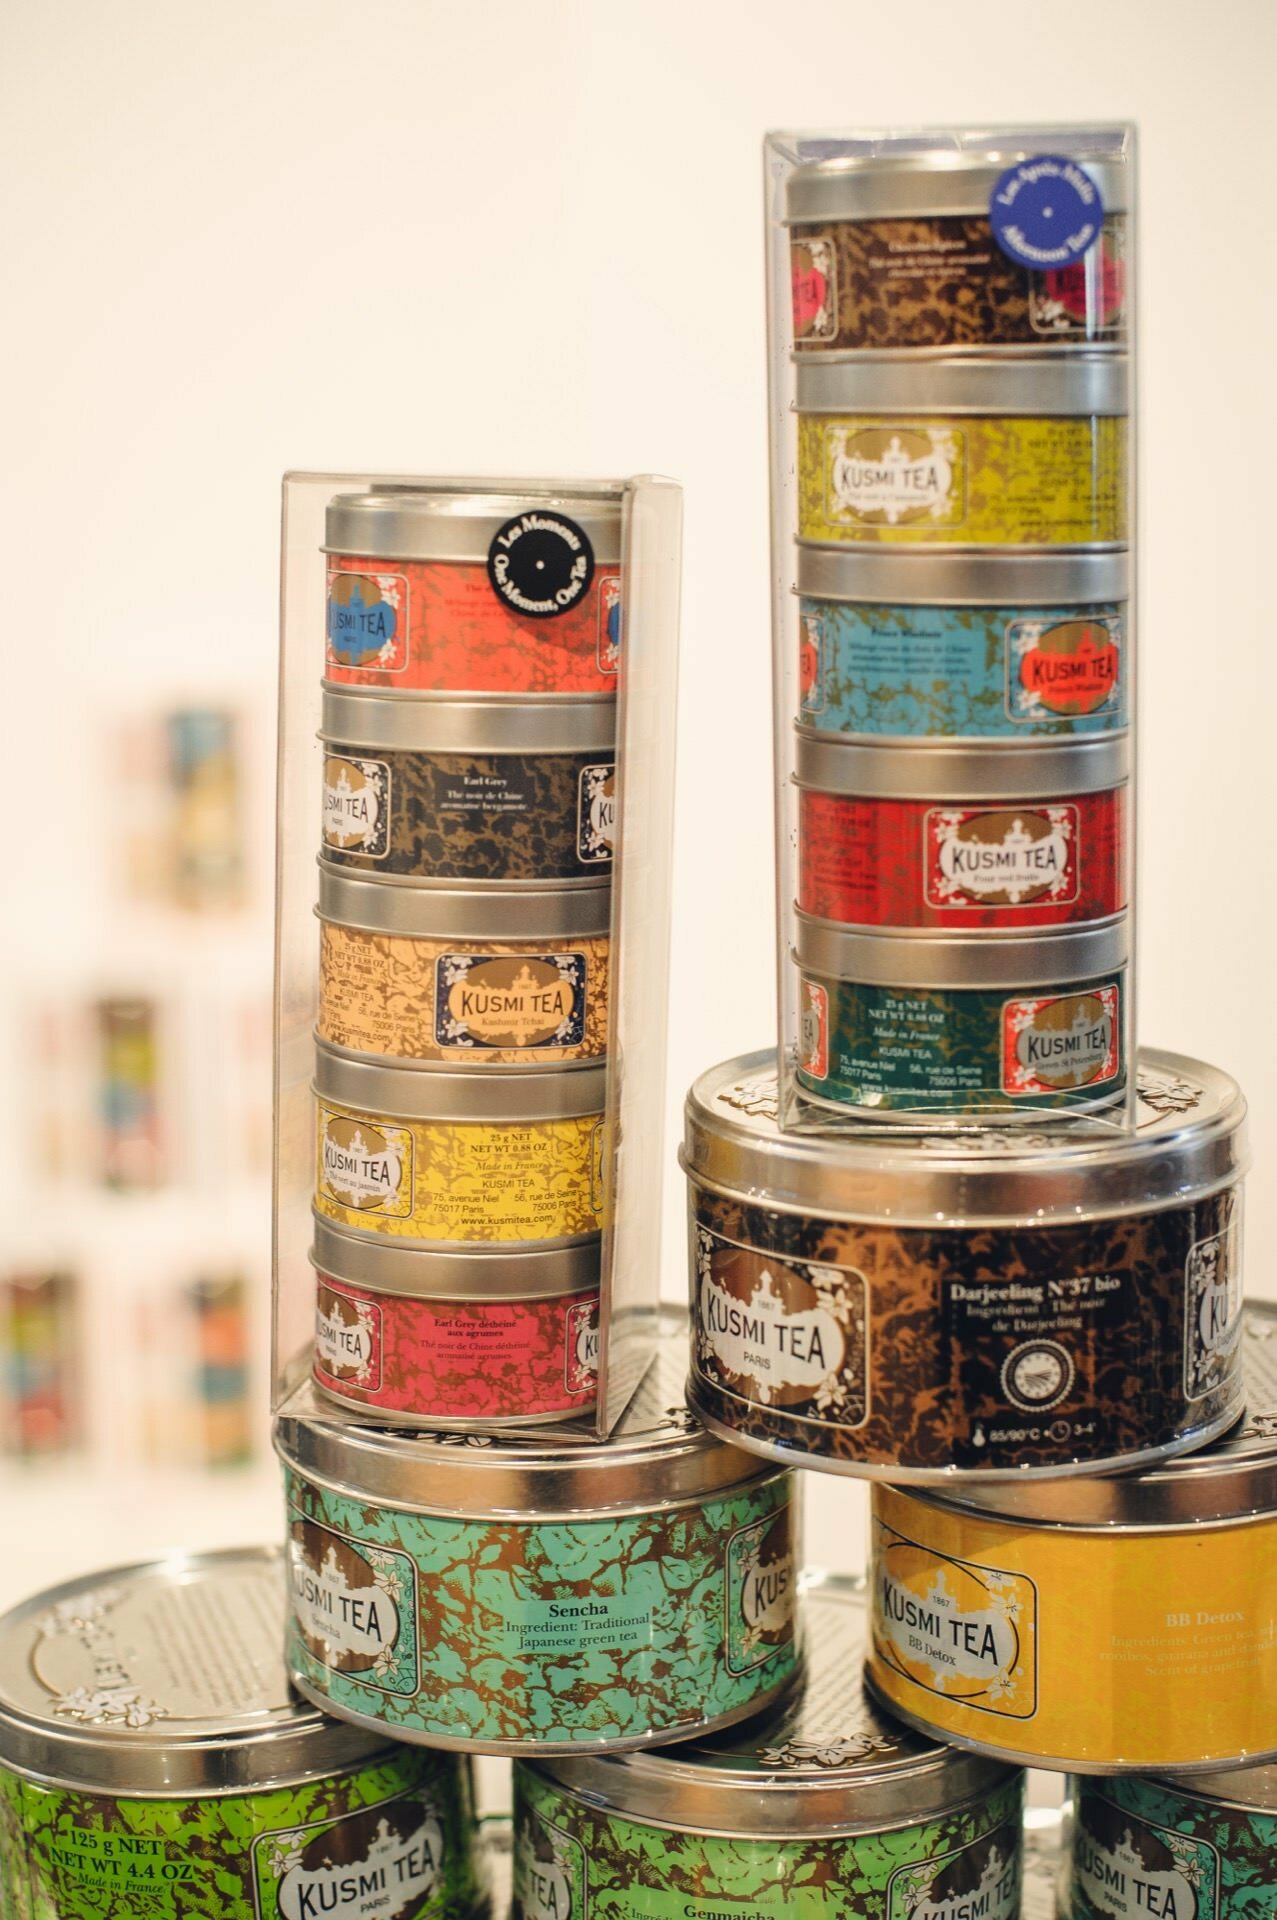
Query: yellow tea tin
pixel 1113 1625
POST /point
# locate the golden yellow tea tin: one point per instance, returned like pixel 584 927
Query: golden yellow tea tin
pixel 1112 1625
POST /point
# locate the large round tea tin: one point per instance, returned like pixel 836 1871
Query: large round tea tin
pixel 925 647
pixel 464 1340
pixel 1193 1848
pixel 959 838
pixel 474 592
pixel 488 791
pixel 918 1308
pixel 154 1765
pixel 962 1027
pixel 502 1594
pixel 961 453
pixel 1100 1626
pixel 463 976
pixel 824 1805
pixel 891 251
pixel 508 1159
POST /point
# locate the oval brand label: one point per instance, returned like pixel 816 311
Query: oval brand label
pixel 385 1860
pixel 1128 1869
pixel 596 814
pixel 1049 1045
pixel 356 805
pixel 362 1166
pixel 347 1611
pixel 1070 667
pixel 348 1337
pixel 364 625
pixel 1046 211
pixel 760 1590
pixel 540 563
pixel 976 1882
pixel 894 476
pixel 956 1628
pixel 1005 857
pixel 512 1001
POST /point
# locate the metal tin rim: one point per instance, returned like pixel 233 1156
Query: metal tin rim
pixel 159 1763
pixel 476 1423
pixel 938 962
pixel 501 915
pixel 1083 384
pixel 1058 1172
pixel 505 724
pixel 1248 1789
pixel 424 523
pixel 880 186
pixel 953 771
pixel 406 1093
pixel 1047 578
pixel 414 1273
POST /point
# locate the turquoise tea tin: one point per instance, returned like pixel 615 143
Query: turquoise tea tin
pixel 1200 1847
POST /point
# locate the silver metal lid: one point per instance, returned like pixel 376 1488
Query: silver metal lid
pixel 164 1679
pixel 1189 1140
pixel 970 962
pixel 405 523
pixel 1232 1480
pixel 828 1761
pixel 903 186
pixel 495 725
pixel 415 1093
pixel 1247 1789
pixel 464 913
pixel 963 578
pixel 951 772
pixel 1081 383
pixel 535 1274
pixel 657 1456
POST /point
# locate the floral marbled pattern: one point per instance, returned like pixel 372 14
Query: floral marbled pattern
pixel 1142 1847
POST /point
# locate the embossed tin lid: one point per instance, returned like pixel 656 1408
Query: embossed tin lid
pixel 409 1093
pixel 827 1761
pixel 935 962
pixel 964 578
pixel 901 186
pixel 444 1274
pixel 657 1456
pixel 1080 383
pixel 950 773
pixel 439 912
pixel 165 1678
pixel 1232 1480
pixel 497 724
pixel 405 523
pixel 1188 1141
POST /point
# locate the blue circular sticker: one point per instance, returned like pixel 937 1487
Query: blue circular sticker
pixel 1046 212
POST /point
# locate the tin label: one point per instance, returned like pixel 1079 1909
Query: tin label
pixel 383 1860
pixel 550 1873
pixel 782 1333
pixel 1060 1041
pixel 896 475
pixel 813 1029
pixel 368 620
pixel 1130 1869
pixel 365 1167
pixel 954 1627
pixel 516 1002
pixel 761 1585
pixel 1001 857
pixel 355 1606
pixel 1087 296
pixel 348 1337
pixel 596 814
pixel 980 1881
pixel 357 805
pixel 811 663
pixel 1213 1307
pixel 581 1346
pixel 814 284
pixel 608 643
pixel 540 563
pixel 1063 668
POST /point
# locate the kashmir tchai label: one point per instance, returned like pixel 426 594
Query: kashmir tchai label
pixel 964 1631
pixel 365 1167
pixel 596 814
pixel 1060 1041
pixel 782 1333
pixel 368 620
pixel 761 1584
pixel 1001 857
pixel 357 805
pixel 348 1339
pixel 1125 1868
pixel 895 476
pixel 386 1860
pixel 355 1607
pixel 1213 1307
pixel 511 1001
pixel 980 1881
pixel 1062 667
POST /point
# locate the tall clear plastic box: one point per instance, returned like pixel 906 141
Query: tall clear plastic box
pixel 951 395
pixel 475 814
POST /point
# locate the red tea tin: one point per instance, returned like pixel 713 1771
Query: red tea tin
pixel 473 592
pixel 950 838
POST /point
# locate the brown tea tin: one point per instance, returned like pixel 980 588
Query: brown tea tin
pixel 981 1305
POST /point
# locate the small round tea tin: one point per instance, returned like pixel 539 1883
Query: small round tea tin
pixel 949 1026
pixel 916 1308
pixel 929 647
pixel 1194 1848
pixel 823 1800
pixel 456 1339
pixel 465 592
pixel 1126 1624
pixel 501 1594
pixel 890 251
pixel 960 838
pixel 463 976
pixel 493 792
pixel 963 453
pixel 455 1158
pixel 154 1765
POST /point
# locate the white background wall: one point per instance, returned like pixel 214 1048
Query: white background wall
pixel 257 234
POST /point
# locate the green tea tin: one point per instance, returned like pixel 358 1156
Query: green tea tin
pixel 154 1765
pixel 1190 1848
pixel 824 1809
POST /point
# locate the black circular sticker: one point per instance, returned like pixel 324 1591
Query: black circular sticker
pixel 540 563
